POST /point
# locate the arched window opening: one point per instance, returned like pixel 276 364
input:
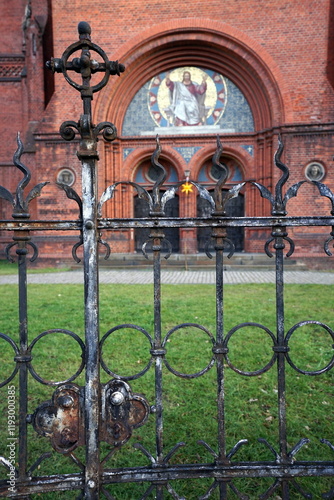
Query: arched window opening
pixel 208 176
pixel 146 175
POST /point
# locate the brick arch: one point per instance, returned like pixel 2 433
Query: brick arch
pixel 202 43
pixel 136 157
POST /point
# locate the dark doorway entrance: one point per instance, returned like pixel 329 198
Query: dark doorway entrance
pixel 172 234
pixel 235 208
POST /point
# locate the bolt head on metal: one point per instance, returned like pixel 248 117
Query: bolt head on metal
pixel 91 484
pixel 65 401
pixel 117 398
pixel 89 224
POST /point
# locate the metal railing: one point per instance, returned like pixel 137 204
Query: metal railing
pixel 84 416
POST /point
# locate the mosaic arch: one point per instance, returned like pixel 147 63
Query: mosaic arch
pixel 172 103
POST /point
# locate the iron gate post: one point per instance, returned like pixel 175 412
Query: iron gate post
pixel 88 155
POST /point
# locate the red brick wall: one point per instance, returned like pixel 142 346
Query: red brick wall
pixel 280 54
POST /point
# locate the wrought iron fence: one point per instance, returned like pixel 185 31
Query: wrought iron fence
pixel 85 416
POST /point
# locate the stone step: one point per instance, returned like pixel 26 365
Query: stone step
pixel 239 261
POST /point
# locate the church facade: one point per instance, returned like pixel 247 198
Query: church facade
pixel 244 71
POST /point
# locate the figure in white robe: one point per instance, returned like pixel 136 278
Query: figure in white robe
pixel 187 100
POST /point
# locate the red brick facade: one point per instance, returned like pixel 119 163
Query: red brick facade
pixel 278 54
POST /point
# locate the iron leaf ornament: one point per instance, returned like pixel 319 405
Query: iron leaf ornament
pixel 325 191
pixel 278 202
pixel 19 203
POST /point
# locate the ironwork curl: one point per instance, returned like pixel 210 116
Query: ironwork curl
pixel 75 248
pixel 185 375
pixel 326 244
pixel 17 353
pixel 69 128
pixel 328 367
pixel 69 379
pixel 66 130
pixel 106 245
pixel 104 364
pixel 226 242
pixel 164 240
pixel 21 251
pixel 108 129
pixel 286 238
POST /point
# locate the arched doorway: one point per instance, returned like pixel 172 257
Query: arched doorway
pixel 235 206
pixel 146 175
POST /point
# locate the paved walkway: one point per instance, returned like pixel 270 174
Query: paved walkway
pixel 176 277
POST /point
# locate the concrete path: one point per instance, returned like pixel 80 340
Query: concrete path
pixel 134 276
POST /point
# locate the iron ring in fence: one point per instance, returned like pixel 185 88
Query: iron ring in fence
pixel 256 372
pixel 79 370
pixel 105 366
pixel 17 352
pixel 185 375
pixel 291 363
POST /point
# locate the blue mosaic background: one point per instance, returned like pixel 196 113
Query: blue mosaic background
pixel 187 153
pixel 249 149
pixel 237 114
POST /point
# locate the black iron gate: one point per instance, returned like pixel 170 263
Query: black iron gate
pixel 85 417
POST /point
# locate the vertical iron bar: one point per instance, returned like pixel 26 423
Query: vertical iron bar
pixel 23 372
pixel 279 246
pixel 219 235
pixel 219 339
pixel 158 352
pixel 157 344
pixel 92 386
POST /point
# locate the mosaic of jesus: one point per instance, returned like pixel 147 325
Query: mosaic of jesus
pixel 187 96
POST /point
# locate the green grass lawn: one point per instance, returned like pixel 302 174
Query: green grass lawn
pixel 7 267
pixel 189 405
